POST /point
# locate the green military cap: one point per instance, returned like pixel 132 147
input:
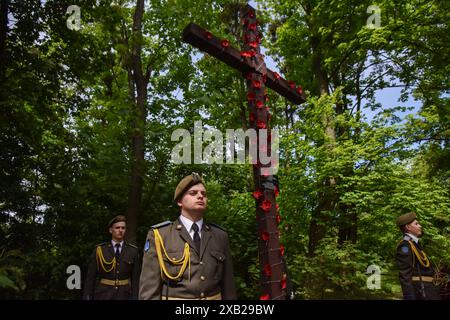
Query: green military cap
pixel 406 218
pixel 186 183
pixel 118 218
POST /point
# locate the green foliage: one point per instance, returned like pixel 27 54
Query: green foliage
pixel 67 115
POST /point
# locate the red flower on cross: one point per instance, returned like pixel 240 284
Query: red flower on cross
pixel 261 124
pixel 225 43
pixel 265 297
pixel 266 205
pixel 265 236
pixel 257 194
pixel 259 104
pixel 267 270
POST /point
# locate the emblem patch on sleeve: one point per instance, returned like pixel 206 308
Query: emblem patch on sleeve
pixel 405 249
pixel 147 246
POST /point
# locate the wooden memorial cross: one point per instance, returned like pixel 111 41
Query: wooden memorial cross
pixel 251 63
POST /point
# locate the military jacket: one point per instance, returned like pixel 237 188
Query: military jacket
pixel 210 271
pixel 410 270
pixel 128 267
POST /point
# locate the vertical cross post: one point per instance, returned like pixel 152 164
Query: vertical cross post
pixel 250 63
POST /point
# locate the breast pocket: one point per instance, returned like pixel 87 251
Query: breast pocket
pixel 219 260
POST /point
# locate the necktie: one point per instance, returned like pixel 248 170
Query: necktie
pixel 117 251
pixel 196 237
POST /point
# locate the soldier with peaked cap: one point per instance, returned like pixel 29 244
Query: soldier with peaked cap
pixel 415 270
pixel 187 259
pixel 113 272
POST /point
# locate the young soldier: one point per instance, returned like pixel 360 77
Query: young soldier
pixel 416 273
pixel 188 258
pixel 113 272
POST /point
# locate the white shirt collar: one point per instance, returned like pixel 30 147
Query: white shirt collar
pixel 114 243
pixel 414 238
pixel 188 225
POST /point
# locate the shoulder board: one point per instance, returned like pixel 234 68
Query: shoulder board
pixel 101 244
pixel 162 224
pixel 216 226
pixel 131 245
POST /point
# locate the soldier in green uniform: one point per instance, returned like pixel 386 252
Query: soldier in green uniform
pixel 113 272
pixel 187 259
pixel 415 270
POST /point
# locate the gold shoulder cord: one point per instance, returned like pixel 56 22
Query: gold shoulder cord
pixel 184 261
pixel 421 256
pixel 101 261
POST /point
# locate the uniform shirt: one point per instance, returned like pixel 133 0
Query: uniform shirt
pixel 187 223
pixel 114 245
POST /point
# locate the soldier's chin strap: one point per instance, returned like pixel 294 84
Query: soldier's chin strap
pixel 184 261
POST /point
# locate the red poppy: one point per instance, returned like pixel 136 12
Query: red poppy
pixel 282 250
pixel 208 35
pixel 265 236
pixel 291 84
pixel 264 297
pixel 259 104
pixel 225 43
pixel 247 54
pixel 252 26
pixel 276 191
pixel 257 84
pixel 267 270
pixel 251 117
pixel 251 96
pixel 261 124
pixel 253 44
pixel 257 194
pixel 283 283
pixel 278 217
pixel 251 14
pixel 300 90
pixel 276 75
pixel 266 205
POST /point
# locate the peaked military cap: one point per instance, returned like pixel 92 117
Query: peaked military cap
pixel 406 218
pixel 118 218
pixel 186 183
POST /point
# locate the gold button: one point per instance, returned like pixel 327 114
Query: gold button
pixel 202 277
pixel 174 258
pixel 202 294
pixel 201 262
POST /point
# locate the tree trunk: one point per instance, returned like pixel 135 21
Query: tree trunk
pixel 3 32
pixel 322 214
pixel 140 82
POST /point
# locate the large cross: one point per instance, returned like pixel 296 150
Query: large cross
pixel 251 64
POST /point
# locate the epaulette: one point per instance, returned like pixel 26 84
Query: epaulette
pixel 101 244
pixel 131 245
pixel 162 224
pixel 217 226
